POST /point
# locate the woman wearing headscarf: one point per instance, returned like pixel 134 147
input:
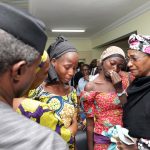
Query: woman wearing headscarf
pixel 103 97
pixel 56 92
pixel 136 115
pixel 38 111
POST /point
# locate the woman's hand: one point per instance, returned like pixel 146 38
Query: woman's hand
pixel 122 146
pixel 117 81
pixel 74 118
pixel 74 126
pixel 17 102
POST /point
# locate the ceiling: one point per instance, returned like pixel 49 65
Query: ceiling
pixel 95 16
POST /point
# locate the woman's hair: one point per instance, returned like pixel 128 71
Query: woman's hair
pixel 80 64
pixel 93 63
pixel 85 65
pixel 13 50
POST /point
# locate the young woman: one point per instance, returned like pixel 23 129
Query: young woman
pixel 136 116
pixel 103 97
pixel 56 92
pixel 57 101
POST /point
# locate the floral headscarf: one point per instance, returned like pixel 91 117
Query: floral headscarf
pixel 139 42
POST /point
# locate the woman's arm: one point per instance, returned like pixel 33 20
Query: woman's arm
pixel 74 126
pixel 90 122
pixel 90 133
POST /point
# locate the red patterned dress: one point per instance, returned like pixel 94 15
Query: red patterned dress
pixel 106 109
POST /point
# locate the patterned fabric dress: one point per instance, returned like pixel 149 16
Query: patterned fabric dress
pixel 53 111
pixel 105 108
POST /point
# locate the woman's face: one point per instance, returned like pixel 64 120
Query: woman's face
pixel 85 70
pixel 65 66
pixel 113 64
pixel 139 63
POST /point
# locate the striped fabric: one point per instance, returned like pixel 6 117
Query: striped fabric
pixel 20 133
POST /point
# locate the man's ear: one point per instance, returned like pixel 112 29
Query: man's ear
pixel 18 69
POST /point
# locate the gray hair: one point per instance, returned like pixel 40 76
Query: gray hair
pixel 13 50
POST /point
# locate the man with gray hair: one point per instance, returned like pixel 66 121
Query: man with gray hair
pixel 22 41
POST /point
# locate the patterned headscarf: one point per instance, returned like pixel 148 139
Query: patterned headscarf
pixel 43 60
pixel 111 51
pixel 139 42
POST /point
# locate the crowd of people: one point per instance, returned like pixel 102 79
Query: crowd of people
pixel 50 101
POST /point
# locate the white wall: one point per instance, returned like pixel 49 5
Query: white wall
pixel 85 45
pixel 140 23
